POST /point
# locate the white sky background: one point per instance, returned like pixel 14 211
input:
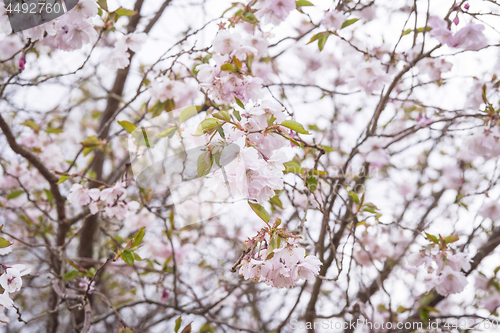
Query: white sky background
pixel 180 16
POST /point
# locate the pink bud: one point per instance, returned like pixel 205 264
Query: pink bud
pixel 456 20
pixel 466 7
pixel 22 62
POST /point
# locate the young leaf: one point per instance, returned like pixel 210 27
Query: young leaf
pixel 260 211
pixel 128 257
pixel 303 3
pixel 315 37
pixel 168 133
pixel 103 4
pixel 52 130
pixel 292 166
pixel 451 239
pixel 187 329
pixel 221 131
pixel 354 197
pixel 178 323
pixel 312 182
pixel 295 126
pixel 322 40
pixel 138 237
pixel 124 12
pixel 207 126
pixel 227 67
pixel 432 238
pixel 127 125
pixel 4 243
pixel 349 22
pixel 204 164
pixel 48 194
pixel 237 115
pixel 70 275
pixel 62 179
pixel 14 194
pixel 240 103
pixel 187 113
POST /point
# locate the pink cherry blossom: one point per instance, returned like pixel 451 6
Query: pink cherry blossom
pixel 470 37
pixel 274 11
pixel 370 76
pixel 79 195
pixel 490 210
pixel 450 282
pixel 11 280
pixel 333 20
pixel 226 42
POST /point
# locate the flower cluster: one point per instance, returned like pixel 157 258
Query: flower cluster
pixel 69 32
pixel 117 57
pixel 10 281
pixel 470 37
pixel 274 11
pixel 112 198
pixel 445 269
pixel 274 257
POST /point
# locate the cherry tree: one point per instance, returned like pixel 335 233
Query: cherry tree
pixel 256 166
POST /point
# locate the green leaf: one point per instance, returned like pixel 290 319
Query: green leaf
pixel 62 179
pixel 91 141
pixel 328 149
pixel 451 239
pixel 432 238
pixel 4 243
pixel 221 131
pixel 303 3
pixel 207 328
pixel 354 197
pixel 187 113
pixel 227 67
pixel 293 167
pixel 158 108
pixel 168 133
pixel 237 115
pixel 48 194
pixel 424 315
pixel 349 22
pixel 260 211
pixel 223 115
pixel 315 37
pixel 70 275
pixel 187 329
pixel 207 126
pixel 240 103
pixel 322 40
pixel 406 32
pixel 249 17
pixel 52 130
pixel 103 4
pixel 276 201
pixel 295 126
pixel 274 243
pixel 124 12
pixel 312 182
pixel 14 194
pixel 178 323
pixel 204 164
pixel 127 125
pixel 128 257
pixel 138 237
pixel 31 124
